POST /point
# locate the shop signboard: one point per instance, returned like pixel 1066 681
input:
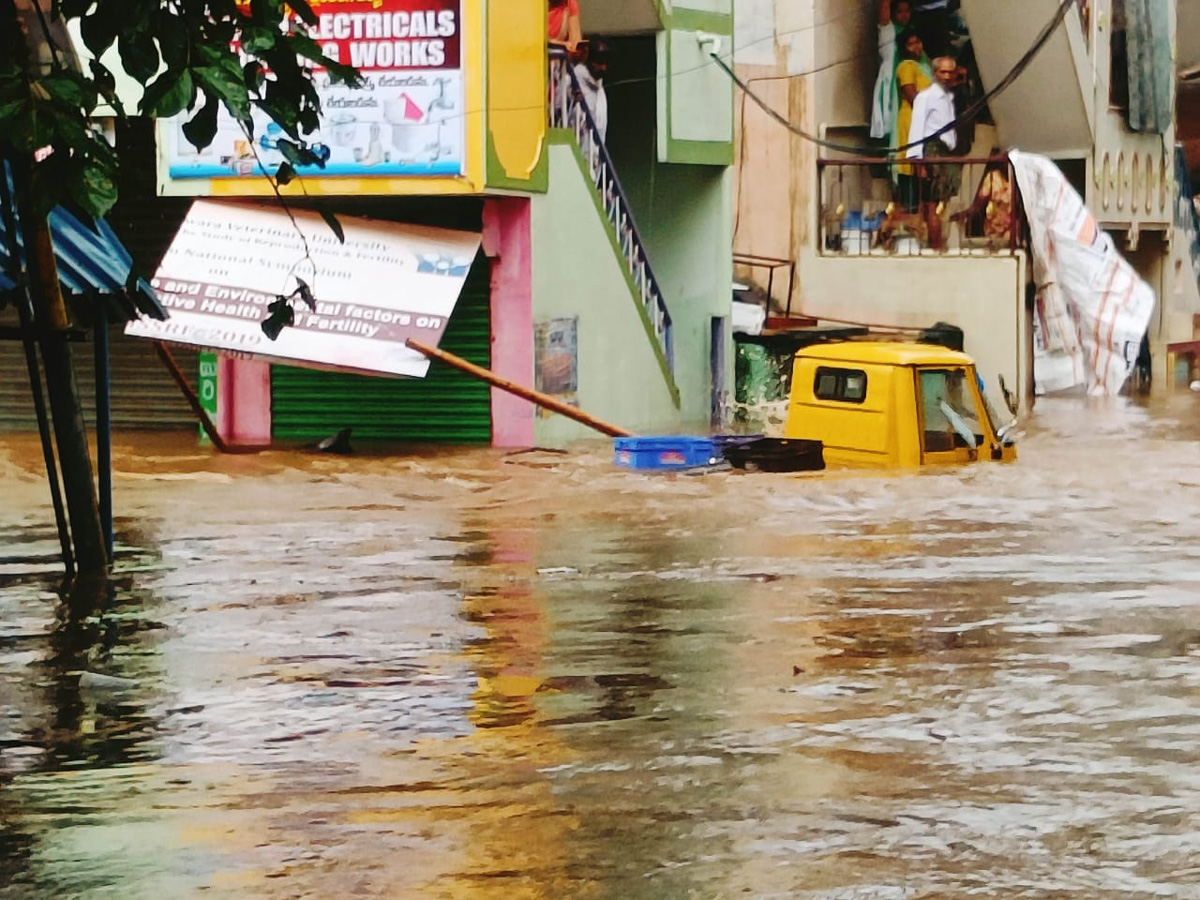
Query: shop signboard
pixel 406 119
pixel 206 389
pixel 385 283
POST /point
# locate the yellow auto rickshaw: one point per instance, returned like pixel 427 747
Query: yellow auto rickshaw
pixel 893 404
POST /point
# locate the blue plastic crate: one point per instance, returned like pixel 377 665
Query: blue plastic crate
pixel 663 452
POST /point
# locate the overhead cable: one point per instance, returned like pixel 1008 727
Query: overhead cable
pixel 965 116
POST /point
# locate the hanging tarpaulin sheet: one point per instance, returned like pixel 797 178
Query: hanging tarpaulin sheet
pixel 386 283
pixel 406 119
pixel 1094 308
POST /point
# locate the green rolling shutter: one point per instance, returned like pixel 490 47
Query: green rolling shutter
pixel 446 406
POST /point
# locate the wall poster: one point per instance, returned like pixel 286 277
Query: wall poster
pixel 556 360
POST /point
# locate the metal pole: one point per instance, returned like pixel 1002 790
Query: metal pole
pixel 206 422
pixel 104 425
pixel 791 283
pixel 43 420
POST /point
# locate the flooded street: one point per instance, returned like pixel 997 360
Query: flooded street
pixel 486 675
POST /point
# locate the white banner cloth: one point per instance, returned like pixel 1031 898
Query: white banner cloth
pixel 1095 307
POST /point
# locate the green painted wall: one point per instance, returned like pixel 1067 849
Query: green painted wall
pixel 685 216
pixel 694 102
pixel 577 273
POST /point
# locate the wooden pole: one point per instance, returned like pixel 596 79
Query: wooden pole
pixel 524 393
pixel 194 401
pixel 51 321
pixel 66 409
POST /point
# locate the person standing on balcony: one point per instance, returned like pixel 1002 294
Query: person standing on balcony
pixel 894 17
pixel 563 26
pixel 562 30
pixel 590 74
pixel 913 75
pixel 933 110
pixel 994 199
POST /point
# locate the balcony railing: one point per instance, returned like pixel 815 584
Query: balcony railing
pixel 872 207
pixel 568 110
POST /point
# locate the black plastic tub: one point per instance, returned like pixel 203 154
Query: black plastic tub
pixel 777 455
pixel 722 442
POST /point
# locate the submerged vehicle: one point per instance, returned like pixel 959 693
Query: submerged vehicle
pixel 893 404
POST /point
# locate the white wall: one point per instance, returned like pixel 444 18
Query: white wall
pixel 981 295
pixel 1048 109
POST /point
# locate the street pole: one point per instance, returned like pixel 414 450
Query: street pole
pixel 66 409
pixel 51 324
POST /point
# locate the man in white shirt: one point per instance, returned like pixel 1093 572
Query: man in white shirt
pixel 590 74
pixel 933 110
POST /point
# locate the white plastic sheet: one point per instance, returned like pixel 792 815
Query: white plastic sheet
pixel 1095 307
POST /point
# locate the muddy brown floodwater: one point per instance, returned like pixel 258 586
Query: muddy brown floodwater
pixel 484 675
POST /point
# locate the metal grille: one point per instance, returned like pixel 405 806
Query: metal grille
pixel 447 406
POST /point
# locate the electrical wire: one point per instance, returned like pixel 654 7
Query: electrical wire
pixel 966 116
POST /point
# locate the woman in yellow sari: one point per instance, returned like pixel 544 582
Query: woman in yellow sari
pixel 913 75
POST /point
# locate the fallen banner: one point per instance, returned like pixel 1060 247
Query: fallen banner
pixel 385 283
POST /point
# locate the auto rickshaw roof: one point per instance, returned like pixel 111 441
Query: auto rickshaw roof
pixel 888 353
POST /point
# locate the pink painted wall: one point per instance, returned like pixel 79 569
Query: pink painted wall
pixel 244 401
pixel 506 241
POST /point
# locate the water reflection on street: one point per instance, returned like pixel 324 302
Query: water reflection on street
pixel 490 675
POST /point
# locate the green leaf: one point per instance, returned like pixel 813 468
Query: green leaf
pixel 281 315
pixel 70 131
pixel 291 151
pixel 226 86
pixel 304 11
pixel 258 39
pixel 11 111
pixel 94 186
pixel 306 47
pixel 281 107
pixel 169 94
pixel 285 173
pixel 202 128
pixel 139 54
pixel 68 90
pixel 342 72
pixel 99 29
pixel 266 10
pixel 173 40
pixel 253 76
pixel 334 225
pixel 104 79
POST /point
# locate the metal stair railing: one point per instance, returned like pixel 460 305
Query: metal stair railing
pixel 569 110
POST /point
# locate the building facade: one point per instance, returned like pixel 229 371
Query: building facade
pixel 816 61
